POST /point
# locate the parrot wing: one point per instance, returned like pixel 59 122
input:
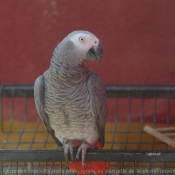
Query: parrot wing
pixel 98 104
pixel 39 102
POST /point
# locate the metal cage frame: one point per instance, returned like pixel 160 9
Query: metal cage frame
pixel 166 157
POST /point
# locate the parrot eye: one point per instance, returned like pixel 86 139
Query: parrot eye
pixel 81 39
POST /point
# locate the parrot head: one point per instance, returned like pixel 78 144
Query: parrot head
pixel 79 46
pixel 89 43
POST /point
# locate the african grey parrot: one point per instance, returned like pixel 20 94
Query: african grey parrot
pixel 70 98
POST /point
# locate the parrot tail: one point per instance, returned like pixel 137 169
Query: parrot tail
pixel 90 167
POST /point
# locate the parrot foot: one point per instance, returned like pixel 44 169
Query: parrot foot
pixel 68 147
pixel 83 148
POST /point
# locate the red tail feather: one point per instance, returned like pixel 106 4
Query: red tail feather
pixel 93 167
pixel 90 167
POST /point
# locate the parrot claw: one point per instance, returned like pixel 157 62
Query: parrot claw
pixel 83 148
pixel 68 147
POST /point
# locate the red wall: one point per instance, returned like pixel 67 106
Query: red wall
pixel 138 38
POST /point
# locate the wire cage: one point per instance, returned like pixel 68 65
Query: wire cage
pixel 27 148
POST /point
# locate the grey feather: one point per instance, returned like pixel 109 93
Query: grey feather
pixel 71 99
pixel 39 102
pixel 98 103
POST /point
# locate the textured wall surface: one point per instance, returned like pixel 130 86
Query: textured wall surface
pixel 137 37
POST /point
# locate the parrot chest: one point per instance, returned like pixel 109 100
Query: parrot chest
pixel 70 114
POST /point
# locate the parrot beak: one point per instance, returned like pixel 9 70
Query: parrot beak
pixel 95 53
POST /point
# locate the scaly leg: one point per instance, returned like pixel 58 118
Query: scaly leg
pixel 83 149
pixel 68 147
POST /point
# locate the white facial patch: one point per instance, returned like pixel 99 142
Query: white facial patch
pixel 84 41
